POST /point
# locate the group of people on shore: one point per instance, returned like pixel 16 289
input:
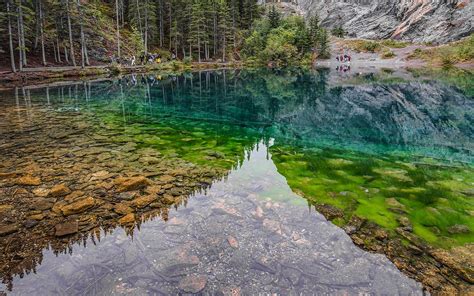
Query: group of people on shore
pixel 143 59
pixel 343 58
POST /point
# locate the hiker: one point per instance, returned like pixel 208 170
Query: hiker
pixel 132 62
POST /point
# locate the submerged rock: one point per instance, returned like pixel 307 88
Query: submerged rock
pixel 122 209
pixel 143 201
pixel 78 206
pixel 59 190
pixel 129 184
pixel 28 181
pixel 8 229
pixel 41 192
pixel 127 219
pixel 5 208
pixel 193 283
pixel 66 228
pixel 458 229
pixel 41 204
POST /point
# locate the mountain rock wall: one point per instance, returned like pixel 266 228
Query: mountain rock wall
pixel 437 21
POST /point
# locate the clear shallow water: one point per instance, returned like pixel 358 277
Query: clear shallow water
pixel 395 153
pixel 233 239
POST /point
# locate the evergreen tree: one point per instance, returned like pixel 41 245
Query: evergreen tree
pixel 313 29
pixel 274 17
pixel 197 35
pixel 324 47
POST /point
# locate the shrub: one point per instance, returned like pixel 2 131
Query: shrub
pixel 388 54
pixel 187 61
pixel 394 43
pixel 115 68
pixel 338 32
pixel 371 46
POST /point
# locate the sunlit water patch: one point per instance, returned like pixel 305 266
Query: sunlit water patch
pixel 390 162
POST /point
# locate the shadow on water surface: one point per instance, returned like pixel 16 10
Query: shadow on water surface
pixel 388 161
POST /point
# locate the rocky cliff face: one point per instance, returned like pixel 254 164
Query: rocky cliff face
pixel 436 21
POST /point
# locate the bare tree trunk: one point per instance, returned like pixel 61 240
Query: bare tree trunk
pixel 20 51
pixel 118 27
pixel 83 52
pixel 139 18
pixel 199 46
pixel 43 55
pixel 161 24
pixel 65 54
pixel 146 28
pixel 22 33
pixel 58 50
pixel 37 23
pixel 214 30
pixel 10 39
pixel 55 53
pixel 224 44
pixel 233 20
pixel 171 24
pixel 71 44
pixel 86 54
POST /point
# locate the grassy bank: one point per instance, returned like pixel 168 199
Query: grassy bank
pixel 449 54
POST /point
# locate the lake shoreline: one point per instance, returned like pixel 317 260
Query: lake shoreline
pixel 39 76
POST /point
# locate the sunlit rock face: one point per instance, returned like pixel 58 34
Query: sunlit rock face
pixel 414 20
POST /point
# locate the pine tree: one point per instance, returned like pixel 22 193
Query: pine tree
pixel 324 50
pixel 225 28
pixel 197 27
pixel 274 17
pixel 314 29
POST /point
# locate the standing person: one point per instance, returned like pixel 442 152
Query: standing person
pixel 132 63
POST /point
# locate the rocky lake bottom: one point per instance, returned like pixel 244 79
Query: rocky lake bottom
pixel 237 182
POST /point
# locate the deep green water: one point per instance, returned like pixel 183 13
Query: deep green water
pixel 380 147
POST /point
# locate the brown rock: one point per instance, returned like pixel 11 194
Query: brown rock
pixel 59 190
pixel 127 219
pixel 28 181
pixel 272 225
pixel 100 175
pixel 122 209
pixel 168 199
pixel 153 189
pixel 78 206
pixel 143 201
pixel 459 229
pixel 167 178
pixel 41 204
pixel 458 259
pixel 129 184
pixel 380 234
pixel 258 212
pixel 5 208
pixel 67 228
pixel 193 283
pixel 41 192
pixel 233 242
pixel 8 175
pixel 8 229
pixel 74 196
pixel 37 217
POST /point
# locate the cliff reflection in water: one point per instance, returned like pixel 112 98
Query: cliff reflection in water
pixel 128 150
